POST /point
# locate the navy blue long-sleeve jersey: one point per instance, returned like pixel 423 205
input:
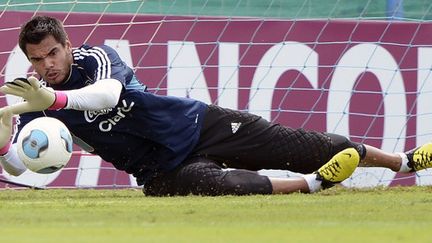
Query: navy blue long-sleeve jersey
pixel 144 132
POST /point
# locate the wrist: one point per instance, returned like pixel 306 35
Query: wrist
pixel 60 101
pixel 5 149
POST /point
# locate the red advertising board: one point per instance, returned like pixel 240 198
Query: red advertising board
pixel 368 80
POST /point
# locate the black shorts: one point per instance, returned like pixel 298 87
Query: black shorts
pixel 240 140
pixel 202 176
pixel 243 140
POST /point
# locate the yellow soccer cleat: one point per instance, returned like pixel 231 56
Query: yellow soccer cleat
pixel 339 168
pixel 421 158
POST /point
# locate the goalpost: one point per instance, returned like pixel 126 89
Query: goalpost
pixel 357 68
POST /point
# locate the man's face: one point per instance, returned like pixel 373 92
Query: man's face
pixel 50 59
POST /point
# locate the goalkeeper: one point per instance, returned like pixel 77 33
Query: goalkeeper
pixel 173 146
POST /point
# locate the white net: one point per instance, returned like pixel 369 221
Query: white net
pixel 356 68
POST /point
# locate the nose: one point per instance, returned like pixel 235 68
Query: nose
pixel 48 63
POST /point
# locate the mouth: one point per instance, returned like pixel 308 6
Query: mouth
pixel 52 75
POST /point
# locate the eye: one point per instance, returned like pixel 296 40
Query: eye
pixel 53 52
pixel 35 59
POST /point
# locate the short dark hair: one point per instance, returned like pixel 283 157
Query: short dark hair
pixel 38 28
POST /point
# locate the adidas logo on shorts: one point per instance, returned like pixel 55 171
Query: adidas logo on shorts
pixel 235 126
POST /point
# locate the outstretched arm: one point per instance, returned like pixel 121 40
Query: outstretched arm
pixel 37 97
pixel 5 129
pixel 8 156
pixel 101 95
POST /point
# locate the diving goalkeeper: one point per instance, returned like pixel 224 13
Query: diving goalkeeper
pixel 172 145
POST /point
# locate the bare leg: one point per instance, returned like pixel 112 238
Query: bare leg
pixel 289 185
pixel 340 167
pixel 374 158
pixel 378 158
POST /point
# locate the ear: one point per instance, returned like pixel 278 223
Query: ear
pixel 68 46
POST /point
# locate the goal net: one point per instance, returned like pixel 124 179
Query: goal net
pixel 357 68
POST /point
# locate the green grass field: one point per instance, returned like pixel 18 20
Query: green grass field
pixel 336 215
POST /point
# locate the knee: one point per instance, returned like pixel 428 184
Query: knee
pixel 340 143
pixel 244 182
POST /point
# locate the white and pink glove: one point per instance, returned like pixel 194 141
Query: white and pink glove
pixel 5 129
pixel 36 97
pixel 9 160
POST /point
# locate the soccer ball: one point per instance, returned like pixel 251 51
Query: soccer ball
pixel 44 145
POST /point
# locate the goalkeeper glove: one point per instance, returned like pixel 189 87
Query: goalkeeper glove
pixel 36 96
pixel 5 129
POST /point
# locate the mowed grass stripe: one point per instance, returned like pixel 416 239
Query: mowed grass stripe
pixel 400 214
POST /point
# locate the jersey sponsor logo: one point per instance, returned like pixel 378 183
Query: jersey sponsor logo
pixel 91 116
pixel 107 125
